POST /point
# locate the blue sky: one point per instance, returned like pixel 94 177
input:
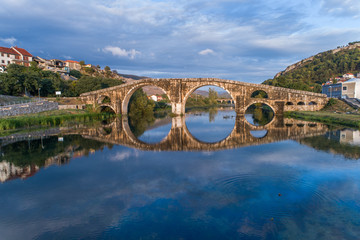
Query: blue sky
pixel 245 40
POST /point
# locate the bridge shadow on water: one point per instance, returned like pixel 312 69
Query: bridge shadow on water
pixel 181 138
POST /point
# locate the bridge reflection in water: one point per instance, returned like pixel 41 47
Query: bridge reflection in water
pixel 180 138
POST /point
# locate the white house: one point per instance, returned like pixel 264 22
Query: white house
pixel 7 55
pixel 154 98
pixel 351 88
pixel 15 55
pixel 348 75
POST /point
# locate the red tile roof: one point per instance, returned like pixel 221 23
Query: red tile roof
pixel 71 61
pixel 8 50
pixel 23 51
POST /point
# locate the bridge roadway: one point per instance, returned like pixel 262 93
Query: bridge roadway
pixel 179 90
pixel 180 139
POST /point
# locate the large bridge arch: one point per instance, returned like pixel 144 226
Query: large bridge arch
pixel 125 102
pixel 201 84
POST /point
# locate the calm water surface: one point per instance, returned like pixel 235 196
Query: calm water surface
pixel 289 180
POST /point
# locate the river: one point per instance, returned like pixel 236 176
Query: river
pixel 208 175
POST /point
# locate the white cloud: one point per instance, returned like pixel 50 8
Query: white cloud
pixel 9 41
pixel 121 156
pixel 116 51
pixel 344 8
pixel 207 51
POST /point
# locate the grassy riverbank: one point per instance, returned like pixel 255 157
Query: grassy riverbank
pixel 336 112
pixel 50 118
pixel 330 118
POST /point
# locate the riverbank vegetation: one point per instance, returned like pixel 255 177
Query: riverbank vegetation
pixel 51 118
pixel 22 154
pixel 143 111
pixel 199 101
pixel 20 80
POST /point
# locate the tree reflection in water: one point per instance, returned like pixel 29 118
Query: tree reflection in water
pixel 261 114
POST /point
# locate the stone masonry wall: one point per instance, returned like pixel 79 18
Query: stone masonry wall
pixel 27 108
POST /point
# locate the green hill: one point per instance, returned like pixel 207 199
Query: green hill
pixel 310 73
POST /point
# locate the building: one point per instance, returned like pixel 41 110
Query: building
pixel 15 55
pixel 23 57
pixel 7 55
pixel 73 65
pixel 347 89
pixel 332 90
pixel 154 98
pixel 43 63
pixel 351 88
pixel 54 65
pixel 348 75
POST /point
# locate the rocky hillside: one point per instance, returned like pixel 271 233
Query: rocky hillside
pixel 113 74
pixel 310 73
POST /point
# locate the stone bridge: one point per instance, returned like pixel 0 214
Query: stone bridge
pixel 179 90
pixel 180 139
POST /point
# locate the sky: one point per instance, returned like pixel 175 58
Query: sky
pixel 244 40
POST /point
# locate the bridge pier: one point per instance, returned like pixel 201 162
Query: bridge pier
pixel 178 108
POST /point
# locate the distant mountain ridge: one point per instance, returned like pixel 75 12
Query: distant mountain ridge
pixel 310 73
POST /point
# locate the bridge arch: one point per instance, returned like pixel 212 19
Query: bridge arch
pixel 207 145
pixel 265 103
pixel 215 83
pixel 102 107
pixel 261 101
pixel 125 102
pixel 141 144
pixel 259 94
pixel 103 99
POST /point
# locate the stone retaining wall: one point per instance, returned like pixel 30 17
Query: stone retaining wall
pixel 27 108
pixel 79 106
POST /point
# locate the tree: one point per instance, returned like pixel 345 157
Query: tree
pixel 75 73
pixel 213 96
pixel 107 69
pixel 82 63
pixel 141 112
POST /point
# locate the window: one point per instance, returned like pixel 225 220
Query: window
pixel 8 62
pixel 344 88
pixel 2 61
pixel 8 55
pixel 2 54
